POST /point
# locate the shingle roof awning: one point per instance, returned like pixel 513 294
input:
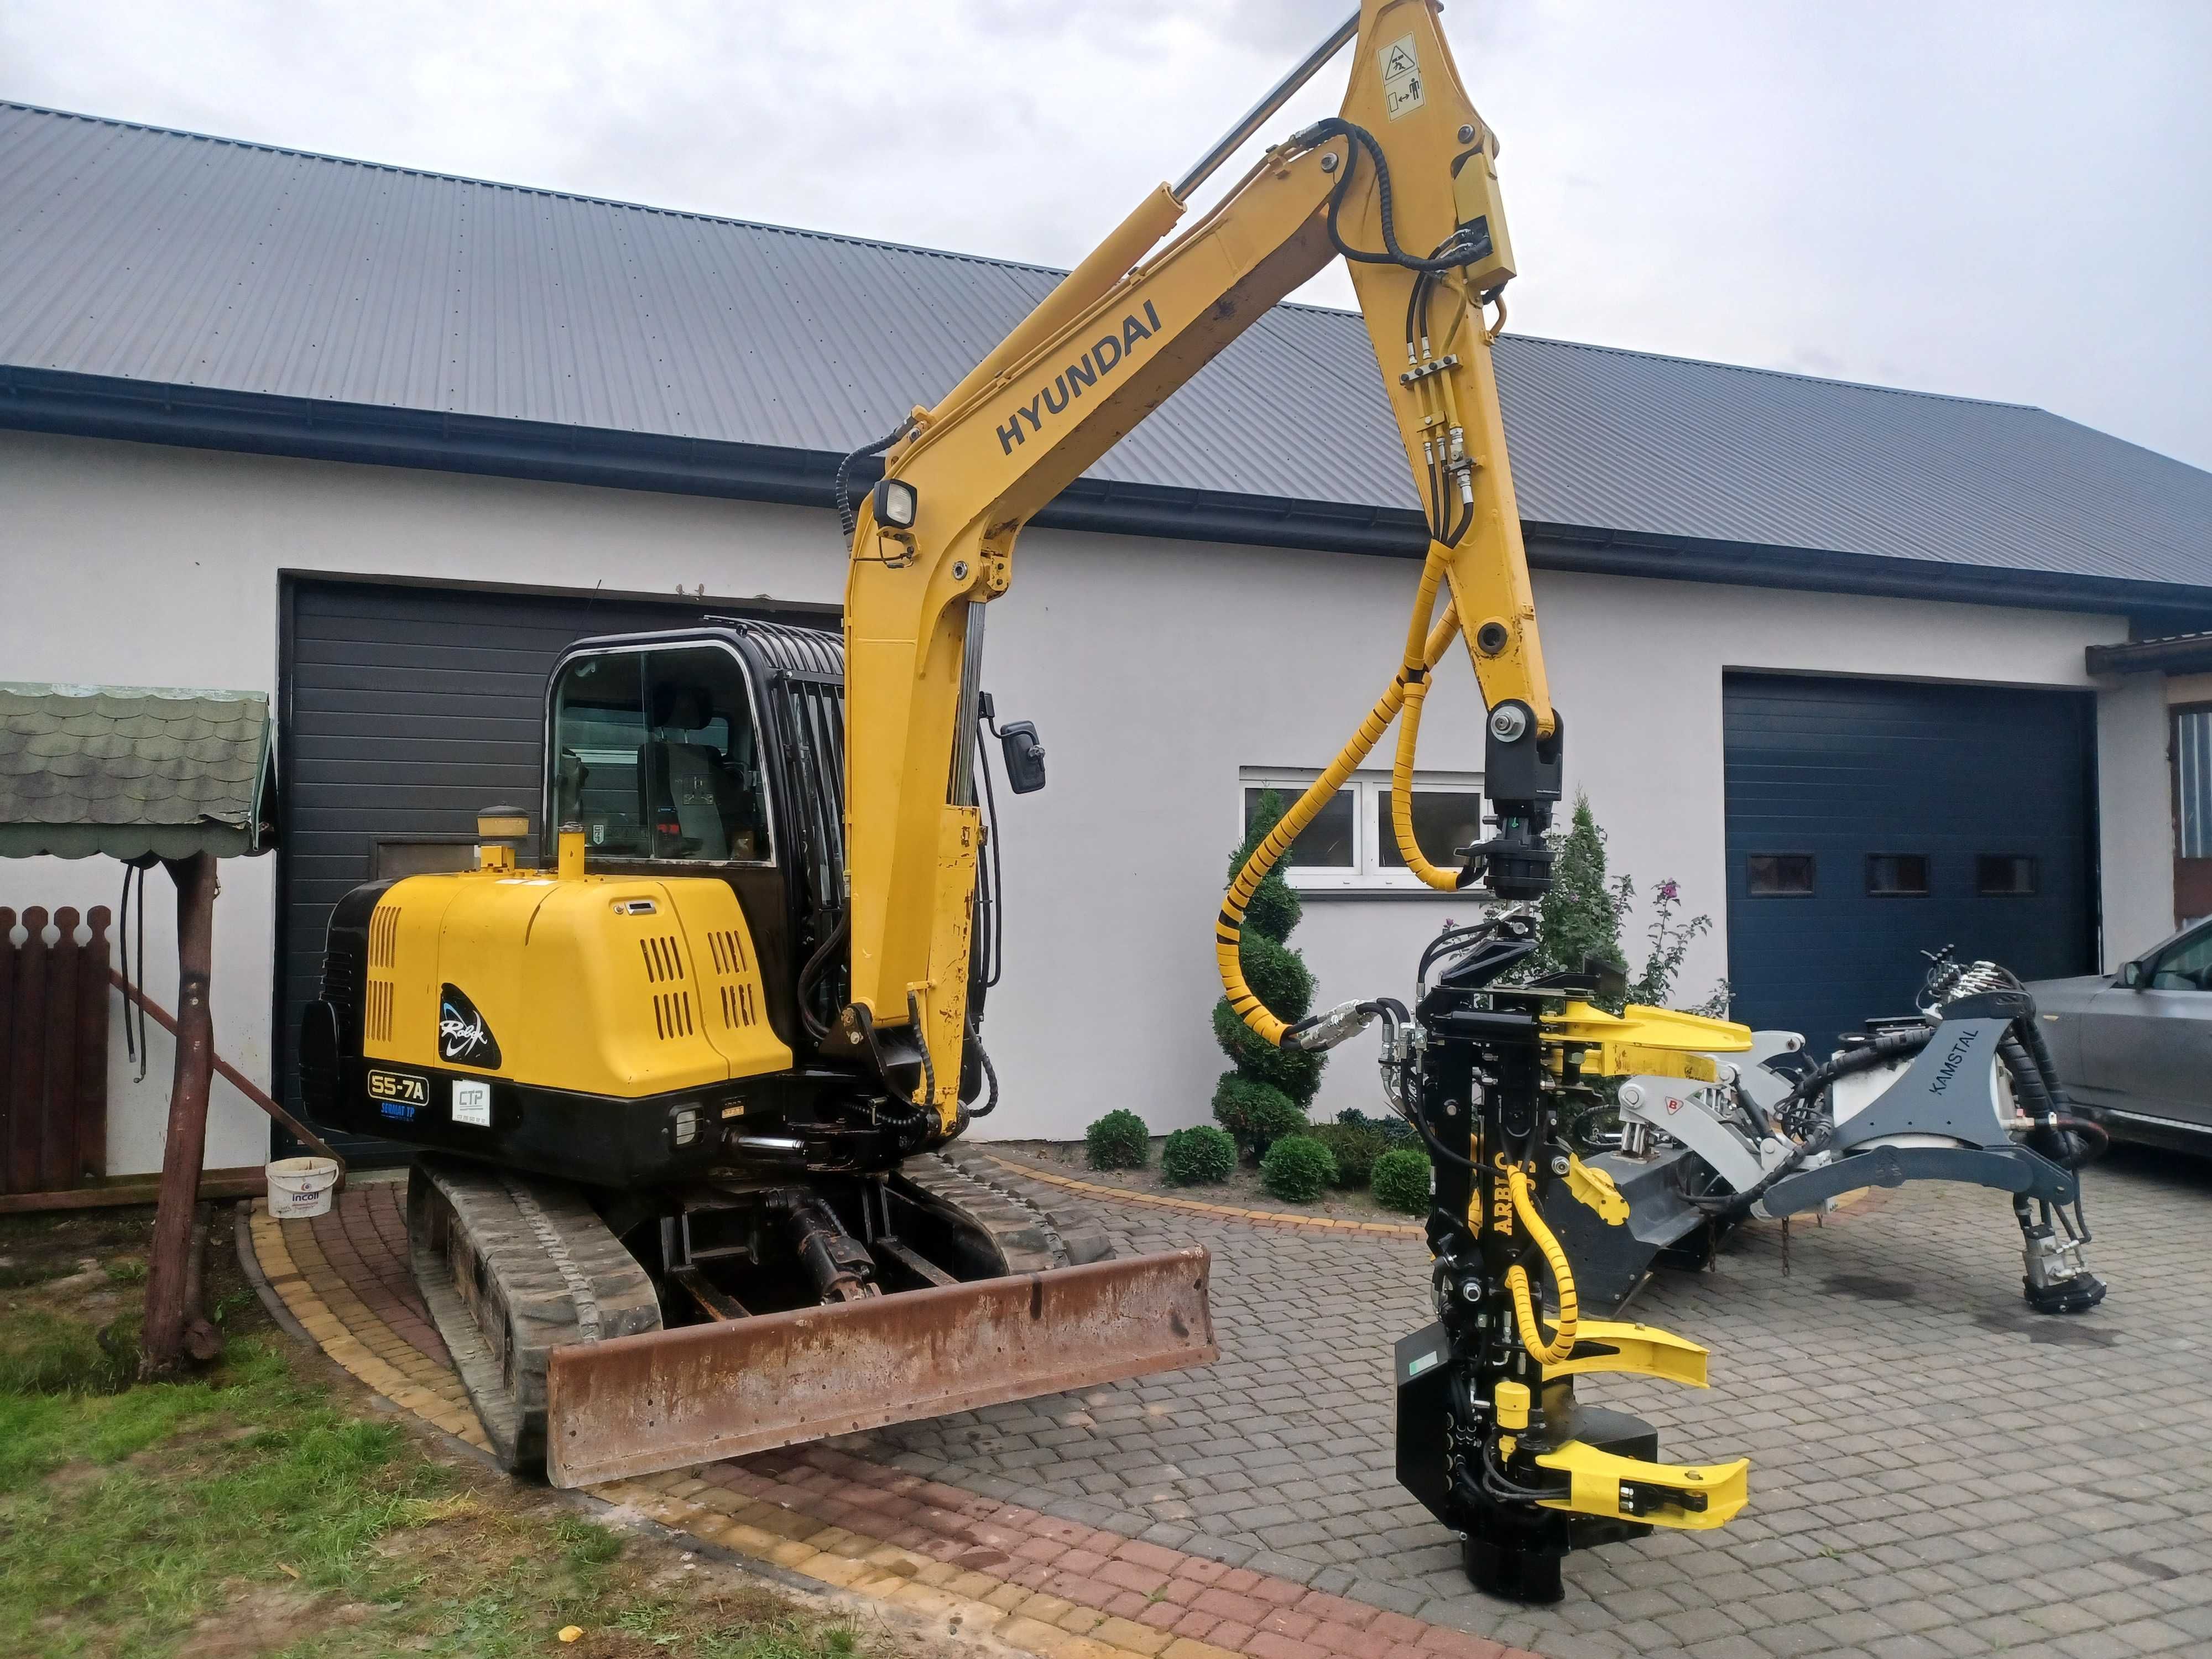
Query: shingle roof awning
pixel 131 771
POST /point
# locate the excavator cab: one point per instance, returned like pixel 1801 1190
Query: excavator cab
pixel 659 1214
pixel 656 754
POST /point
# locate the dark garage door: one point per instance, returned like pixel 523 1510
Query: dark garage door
pixel 1871 820
pixel 406 709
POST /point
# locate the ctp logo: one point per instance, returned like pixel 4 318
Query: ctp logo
pixel 463 1037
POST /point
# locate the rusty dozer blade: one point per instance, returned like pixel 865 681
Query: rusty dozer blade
pixel 659 1401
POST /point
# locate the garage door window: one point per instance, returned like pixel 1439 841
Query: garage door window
pixel 1779 875
pixel 656 756
pixel 1897 875
pixel 2005 875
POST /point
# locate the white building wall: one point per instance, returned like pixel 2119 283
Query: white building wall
pixel 1155 669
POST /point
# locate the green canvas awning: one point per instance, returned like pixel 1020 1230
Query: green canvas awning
pixel 128 770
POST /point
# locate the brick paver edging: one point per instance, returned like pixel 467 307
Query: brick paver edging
pixel 1056 1588
pixel 1228 1212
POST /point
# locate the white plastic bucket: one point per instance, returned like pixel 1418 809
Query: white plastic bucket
pixel 300 1187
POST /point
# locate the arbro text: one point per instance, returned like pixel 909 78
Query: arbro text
pixel 1107 354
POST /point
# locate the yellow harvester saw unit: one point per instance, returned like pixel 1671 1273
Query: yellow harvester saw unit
pixel 654 1222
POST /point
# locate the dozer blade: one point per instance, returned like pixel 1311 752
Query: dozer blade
pixel 637 1404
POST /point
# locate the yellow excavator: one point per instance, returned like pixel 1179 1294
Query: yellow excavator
pixel 684 1082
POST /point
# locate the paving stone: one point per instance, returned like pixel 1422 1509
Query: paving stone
pixel 1925 1479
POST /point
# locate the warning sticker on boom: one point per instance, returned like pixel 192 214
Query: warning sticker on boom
pixel 1401 77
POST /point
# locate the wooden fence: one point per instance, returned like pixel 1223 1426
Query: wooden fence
pixel 54 1050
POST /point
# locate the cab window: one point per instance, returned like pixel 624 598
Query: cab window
pixel 655 754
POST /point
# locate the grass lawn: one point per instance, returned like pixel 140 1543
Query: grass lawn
pixel 265 1509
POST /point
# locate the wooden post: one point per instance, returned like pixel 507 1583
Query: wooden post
pixel 58 1163
pixel 7 1043
pixel 27 1103
pixel 92 1051
pixel 163 1341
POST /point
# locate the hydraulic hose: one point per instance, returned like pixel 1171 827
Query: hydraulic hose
pixel 1454 258
pixel 1877 1051
pixel 1401 793
pixel 831 943
pixel 1562 1341
pixel 1228 928
pixel 847 515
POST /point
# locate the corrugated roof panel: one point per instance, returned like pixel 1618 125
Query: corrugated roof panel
pixel 148 255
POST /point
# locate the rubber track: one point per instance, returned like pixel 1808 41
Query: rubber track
pixel 979 1188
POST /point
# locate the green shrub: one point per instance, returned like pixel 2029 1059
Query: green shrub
pixel 1354 1146
pixel 1118 1140
pixel 1297 1168
pixel 1394 1129
pixel 1401 1181
pixel 1198 1157
pixel 1257 1114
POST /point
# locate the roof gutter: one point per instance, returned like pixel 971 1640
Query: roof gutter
pixel 97 406
pixel 2184 653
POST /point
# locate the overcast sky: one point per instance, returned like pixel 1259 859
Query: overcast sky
pixel 1999 200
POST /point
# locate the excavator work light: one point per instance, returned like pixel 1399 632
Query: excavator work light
pixel 896 504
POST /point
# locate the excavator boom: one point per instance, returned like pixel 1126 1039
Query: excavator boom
pixel 1408 167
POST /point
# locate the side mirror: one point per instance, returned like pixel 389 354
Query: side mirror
pixel 1024 753
pixel 2132 976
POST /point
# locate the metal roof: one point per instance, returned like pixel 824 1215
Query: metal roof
pixel 128 770
pixel 139 255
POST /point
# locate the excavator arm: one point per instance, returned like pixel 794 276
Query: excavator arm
pixel 1403 184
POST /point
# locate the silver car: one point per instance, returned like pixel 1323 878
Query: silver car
pixel 2135 1048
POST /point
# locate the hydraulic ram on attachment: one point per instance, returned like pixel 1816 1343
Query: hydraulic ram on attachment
pixel 660 1401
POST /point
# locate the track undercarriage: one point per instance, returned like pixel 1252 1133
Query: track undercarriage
pixel 601 1334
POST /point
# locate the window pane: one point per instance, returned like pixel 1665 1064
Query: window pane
pixel 2005 875
pixel 1443 821
pixel 701 777
pixel 1897 875
pixel 1325 844
pixel 598 727
pixel 1780 875
pixel 2187 966
pixel 2193 781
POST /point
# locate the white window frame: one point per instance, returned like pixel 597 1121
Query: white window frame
pixel 1368 873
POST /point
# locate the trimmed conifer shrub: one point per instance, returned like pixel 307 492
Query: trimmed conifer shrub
pixel 1354 1146
pixel 1198 1157
pixel 1249 1100
pixel 1401 1181
pixel 1297 1168
pixel 1118 1140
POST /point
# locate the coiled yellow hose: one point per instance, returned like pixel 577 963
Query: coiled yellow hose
pixel 1424 649
pixel 1562 1341
pixel 1401 794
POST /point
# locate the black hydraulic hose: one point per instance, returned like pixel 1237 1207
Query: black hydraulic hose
pixel 847 515
pixel 2031 1033
pixel 2029 1088
pixel 1878 1051
pixel 1336 126
pixel 2068 1141
pixel 990 1075
pixel 812 971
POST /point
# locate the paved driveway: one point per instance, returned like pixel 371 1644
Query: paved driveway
pixel 1936 1471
